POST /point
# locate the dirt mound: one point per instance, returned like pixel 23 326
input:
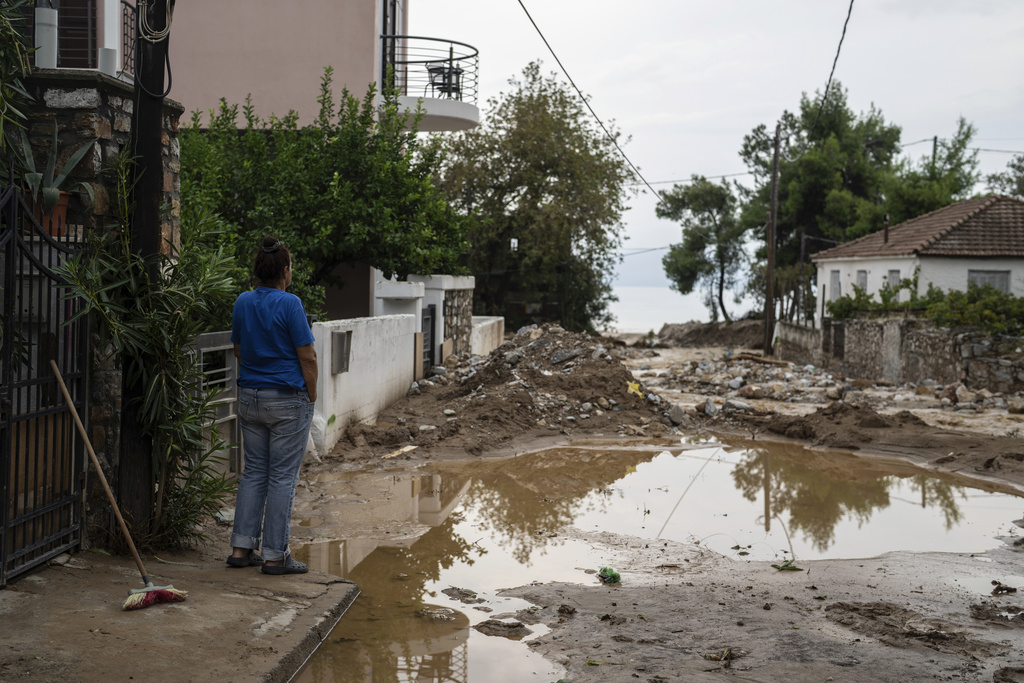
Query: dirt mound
pixel 844 426
pixel 741 334
pixel 544 381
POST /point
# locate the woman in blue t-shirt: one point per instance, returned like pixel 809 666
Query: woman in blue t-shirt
pixel 276 394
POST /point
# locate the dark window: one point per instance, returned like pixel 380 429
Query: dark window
pixel 76 29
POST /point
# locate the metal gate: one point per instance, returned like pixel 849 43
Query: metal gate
pixel 42 463
pixel 427 327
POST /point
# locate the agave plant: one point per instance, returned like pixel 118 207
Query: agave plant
pixel 44 185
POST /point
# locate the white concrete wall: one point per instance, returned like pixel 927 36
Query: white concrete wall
pixel 488 334
pixel 951 273
pixel 391 297
pixel 877 271
pixel 380 371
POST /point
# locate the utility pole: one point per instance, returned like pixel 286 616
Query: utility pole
pixel 135 461
pixel 769 295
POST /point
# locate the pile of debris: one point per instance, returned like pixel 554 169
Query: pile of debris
pixel 742 377
pixel 543 380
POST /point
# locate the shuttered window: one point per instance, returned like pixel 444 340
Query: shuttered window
pixel 1000 279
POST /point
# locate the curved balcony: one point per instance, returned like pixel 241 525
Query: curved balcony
pixel 441 76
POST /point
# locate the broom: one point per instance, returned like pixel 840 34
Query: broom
pixel 139 597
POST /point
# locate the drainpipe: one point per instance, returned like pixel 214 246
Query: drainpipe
pixel 885 229
pixel 46 38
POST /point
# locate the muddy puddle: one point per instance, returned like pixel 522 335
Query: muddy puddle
pixel 431 548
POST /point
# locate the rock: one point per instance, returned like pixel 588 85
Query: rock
pixel 563 355
pixel 777 388
pixel 603 402
pixel 513 357
pixel 427 428
pixel 924 391
pixel 751 391
pixel 735 383
pixel 677 415
pixel 414 390
pixel 834 393
pixel 733 405
pixel 225 516
pixel 964 395
pixel 514 630
pixel 438 370
pixel 449 412
pixel 586 407
pixel 1015 406
pixel 710 409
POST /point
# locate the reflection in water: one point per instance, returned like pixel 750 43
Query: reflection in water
pixel 485 525
pixel 818 499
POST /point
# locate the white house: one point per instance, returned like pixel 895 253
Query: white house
pixel 979 240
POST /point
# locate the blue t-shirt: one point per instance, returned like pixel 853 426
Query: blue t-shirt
pixel 269 324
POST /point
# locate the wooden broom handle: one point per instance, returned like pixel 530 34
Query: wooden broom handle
pixel 99 471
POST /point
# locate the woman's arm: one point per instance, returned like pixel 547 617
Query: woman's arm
pixel 307 361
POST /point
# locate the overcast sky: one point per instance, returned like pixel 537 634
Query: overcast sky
pixel 687 79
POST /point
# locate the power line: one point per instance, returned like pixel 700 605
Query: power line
pixel 832 72
pixel 690 180
pixel 580 93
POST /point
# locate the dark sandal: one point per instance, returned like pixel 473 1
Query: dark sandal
pixel 250 560
pixel 289 566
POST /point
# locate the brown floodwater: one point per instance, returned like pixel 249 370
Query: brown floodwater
pixel 485 525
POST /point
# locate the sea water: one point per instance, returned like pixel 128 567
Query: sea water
pixel 642 309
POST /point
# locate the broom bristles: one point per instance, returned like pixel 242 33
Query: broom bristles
pixel 145 598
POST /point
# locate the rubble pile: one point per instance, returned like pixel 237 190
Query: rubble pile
pixel 735 380
pixel 542 380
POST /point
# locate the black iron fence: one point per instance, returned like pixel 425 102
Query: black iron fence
pixel 42 464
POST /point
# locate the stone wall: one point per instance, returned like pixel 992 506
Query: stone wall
pixel 85 105
pixel 908 350
pixel 89 104
pixel 458 319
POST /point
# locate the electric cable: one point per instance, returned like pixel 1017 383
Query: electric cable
pixel 585 102
pixel 832 73
pixel 146 32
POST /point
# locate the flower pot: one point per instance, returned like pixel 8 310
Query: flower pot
pixel 55 221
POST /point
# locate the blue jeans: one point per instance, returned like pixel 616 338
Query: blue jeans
pixel 275 427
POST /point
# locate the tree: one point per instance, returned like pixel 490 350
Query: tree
pixel 356 185
pixel 1010 181
pixel 840 175
pixel 546 190
pixel 711 253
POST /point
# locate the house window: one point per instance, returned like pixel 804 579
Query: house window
pixel 894 281
pixel 862 279
pixel 837 289
pixel 1000 279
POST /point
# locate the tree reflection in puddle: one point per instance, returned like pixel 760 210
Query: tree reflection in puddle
pixel 485 525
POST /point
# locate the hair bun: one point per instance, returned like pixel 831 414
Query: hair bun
pixel 272 248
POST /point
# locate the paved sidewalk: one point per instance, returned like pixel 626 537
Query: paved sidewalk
pixel 65 623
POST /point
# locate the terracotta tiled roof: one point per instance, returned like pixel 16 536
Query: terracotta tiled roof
pixel 983 226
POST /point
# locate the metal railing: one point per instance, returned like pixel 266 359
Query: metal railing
pixel 127 38
pixel 431 67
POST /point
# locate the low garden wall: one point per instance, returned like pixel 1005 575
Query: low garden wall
pixel 904 350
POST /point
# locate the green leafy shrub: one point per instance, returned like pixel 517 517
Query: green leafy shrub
pixel 151 326
pixel 985 308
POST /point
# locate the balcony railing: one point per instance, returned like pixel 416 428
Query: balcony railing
pixel 431 67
